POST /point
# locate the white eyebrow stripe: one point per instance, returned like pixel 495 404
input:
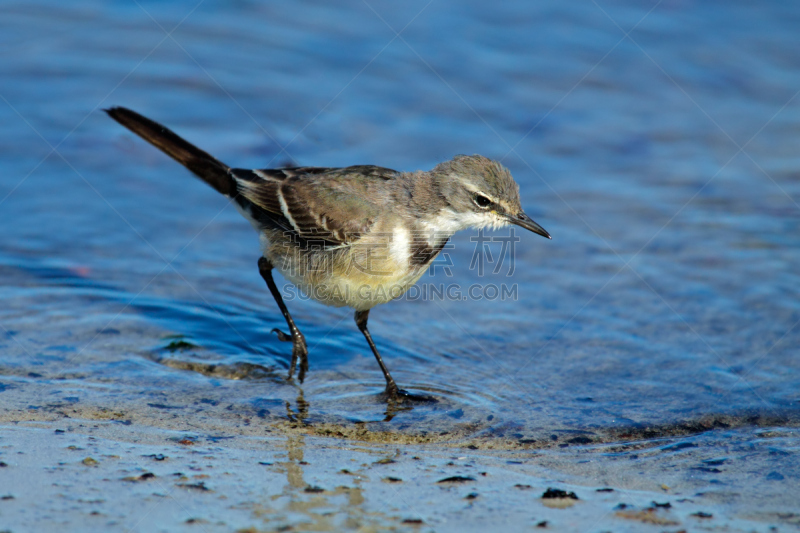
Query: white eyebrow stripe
pixel 471 188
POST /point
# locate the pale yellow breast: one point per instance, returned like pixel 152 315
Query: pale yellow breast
pixel 367 273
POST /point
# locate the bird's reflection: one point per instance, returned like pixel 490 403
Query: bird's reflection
pixel 302 409
pixel 310 500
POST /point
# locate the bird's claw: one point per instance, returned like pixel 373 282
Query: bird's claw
pixel 299 353
pixel 399 395
pixel 283 337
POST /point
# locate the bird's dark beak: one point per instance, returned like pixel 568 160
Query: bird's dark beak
pixel 524 221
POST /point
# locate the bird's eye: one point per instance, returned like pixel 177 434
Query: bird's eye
pixel 481 201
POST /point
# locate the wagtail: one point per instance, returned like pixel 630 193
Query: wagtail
pixel 357 236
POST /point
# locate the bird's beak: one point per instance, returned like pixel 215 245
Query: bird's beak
pixel 524 221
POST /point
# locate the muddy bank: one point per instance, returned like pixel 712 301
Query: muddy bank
pixel 87 474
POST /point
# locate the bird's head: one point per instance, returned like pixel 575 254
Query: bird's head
pixel 482 193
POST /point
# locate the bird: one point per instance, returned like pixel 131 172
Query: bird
pixel 356 236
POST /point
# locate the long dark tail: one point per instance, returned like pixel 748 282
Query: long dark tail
pixel 202 164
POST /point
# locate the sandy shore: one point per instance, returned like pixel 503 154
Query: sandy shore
pixel 80 475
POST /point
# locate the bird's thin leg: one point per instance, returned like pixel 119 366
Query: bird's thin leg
pixel 299 349
pixel 361 322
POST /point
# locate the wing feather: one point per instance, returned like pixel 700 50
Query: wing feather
pixel 315 203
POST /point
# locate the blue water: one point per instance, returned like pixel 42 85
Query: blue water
pixel 665 164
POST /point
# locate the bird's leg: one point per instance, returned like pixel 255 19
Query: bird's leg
pixel 361 321
pixel 395 394
pixel 299 349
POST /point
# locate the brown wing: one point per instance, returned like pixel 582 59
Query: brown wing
pixel 334 205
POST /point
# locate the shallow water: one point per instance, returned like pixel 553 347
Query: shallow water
pixel 664 165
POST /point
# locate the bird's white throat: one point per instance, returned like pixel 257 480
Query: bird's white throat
pixel 448 222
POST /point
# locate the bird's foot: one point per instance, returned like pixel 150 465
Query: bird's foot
pixel 398 395
pixel 283 337
pixel 398 400
pixel 299 353
pixel 301 374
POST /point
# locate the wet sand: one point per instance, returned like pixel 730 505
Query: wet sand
pixel 76 469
